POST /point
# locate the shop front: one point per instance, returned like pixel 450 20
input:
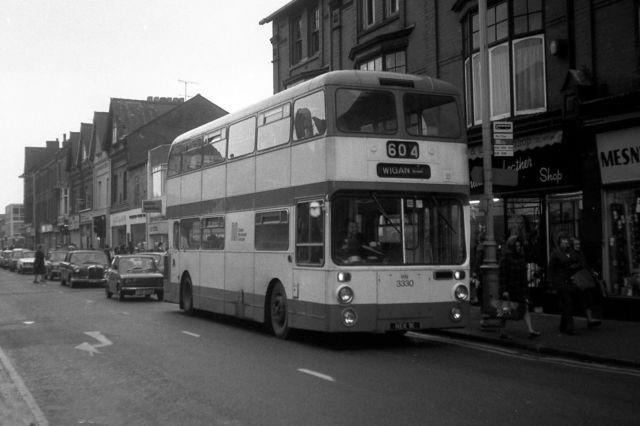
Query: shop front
pixel 619 160
pixel 158 233
pixel 86 235
pixel 536 196
pixel 118 230
pixel 129 229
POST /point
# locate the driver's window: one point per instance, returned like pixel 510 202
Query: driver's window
pixel 310 233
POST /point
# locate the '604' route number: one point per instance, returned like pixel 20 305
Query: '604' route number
pixel 397 149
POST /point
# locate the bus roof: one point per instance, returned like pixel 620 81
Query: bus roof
pixel 342 78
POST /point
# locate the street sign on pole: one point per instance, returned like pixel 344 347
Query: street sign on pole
pixel 503 139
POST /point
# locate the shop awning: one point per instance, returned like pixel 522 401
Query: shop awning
pixel 524 143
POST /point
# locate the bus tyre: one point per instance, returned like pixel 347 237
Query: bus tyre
pixel 186 296
pixel 277 316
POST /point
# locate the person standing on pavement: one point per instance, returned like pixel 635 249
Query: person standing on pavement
pixel 38 265
pixel 563 263
pixel 585 296
pixel 513 282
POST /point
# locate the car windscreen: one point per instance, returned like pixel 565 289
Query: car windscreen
pixel 137 265
pixel 89 257
pixel 29 254
pixel 57 256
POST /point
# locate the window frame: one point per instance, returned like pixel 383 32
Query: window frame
pixel 368 8
pixel 309 243
pixel 203 227
pixel 264 115
pixel 544 76
pixel 284 213
pixel 253 146
pixel 314 23
pixel 293 137
pixel 207 140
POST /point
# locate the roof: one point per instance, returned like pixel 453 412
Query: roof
pixel 99 131
pixel 74 144
pixel 84 143
pixel 278 12
pixel 130 114
pixel 163 129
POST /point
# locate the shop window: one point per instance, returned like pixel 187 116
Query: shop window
pixel 272 231
pixel 623 237
pixel 310 233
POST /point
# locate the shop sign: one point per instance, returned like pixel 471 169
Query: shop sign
pixel 543 168
pixel 619 155
pixel 152 206
pixel 118 220
pixel 86 218
pixel 46 228
pixel 158 228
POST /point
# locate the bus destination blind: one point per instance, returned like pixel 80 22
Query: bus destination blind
pixel 397 170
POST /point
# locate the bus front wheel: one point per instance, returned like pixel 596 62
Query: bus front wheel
pixel 186 296
pixel 277 315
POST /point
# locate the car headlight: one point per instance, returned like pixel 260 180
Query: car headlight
pixel 345 295
pixel 461 292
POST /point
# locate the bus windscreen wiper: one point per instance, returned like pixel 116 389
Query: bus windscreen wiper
pixel 384 213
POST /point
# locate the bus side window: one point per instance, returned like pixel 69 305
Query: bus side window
pixel 310 233
pixel 176 235
pixel 309 118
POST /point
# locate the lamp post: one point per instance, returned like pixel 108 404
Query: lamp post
pixel 489 266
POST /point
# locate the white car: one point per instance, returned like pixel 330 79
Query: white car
pixel 26 262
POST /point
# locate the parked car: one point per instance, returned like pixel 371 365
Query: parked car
pixel 24 265
pixel 83 267
pixel 5 259
pixel 134 275
pixel 16 254
pixel 52 263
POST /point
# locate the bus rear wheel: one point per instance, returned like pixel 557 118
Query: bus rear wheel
pixel 277 315
pixel 186 296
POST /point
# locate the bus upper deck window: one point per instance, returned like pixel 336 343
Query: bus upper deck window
pixel 309 117
pixel 366 111
pixel 431 115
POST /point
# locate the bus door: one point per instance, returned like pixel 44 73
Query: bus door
pixel 308 274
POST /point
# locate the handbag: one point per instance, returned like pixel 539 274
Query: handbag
pixel 507 310
pixel 583 279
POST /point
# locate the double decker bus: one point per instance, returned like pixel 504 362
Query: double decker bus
pixel 338 205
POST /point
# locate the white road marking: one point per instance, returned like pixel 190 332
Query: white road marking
pixel 188 333
pixel 29 322
pixel 316 374
pixel 38 415
pixel 531 357
pixel 85 346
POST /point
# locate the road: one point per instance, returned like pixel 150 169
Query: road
pixel 84 359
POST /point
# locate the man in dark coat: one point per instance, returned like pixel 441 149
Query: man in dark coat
pixel 38 265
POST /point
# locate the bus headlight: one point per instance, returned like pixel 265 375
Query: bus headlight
pixel 345 295
pixel 349 317
pixel 455 314
pixel 461 292
pixel 344 277
pixel 459 275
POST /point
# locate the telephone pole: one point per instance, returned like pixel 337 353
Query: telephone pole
pixel 186 82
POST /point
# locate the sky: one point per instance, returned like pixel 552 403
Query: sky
pixel 61 60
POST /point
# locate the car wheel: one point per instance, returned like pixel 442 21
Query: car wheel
pixel 186 296
pixel 277 317
pixel 160 295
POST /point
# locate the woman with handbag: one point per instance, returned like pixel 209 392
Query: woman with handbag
pixel 586 284
pixel 513 283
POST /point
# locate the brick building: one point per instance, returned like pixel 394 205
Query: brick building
pixel 565 73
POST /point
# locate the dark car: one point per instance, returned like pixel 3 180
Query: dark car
pixel 5 259
pixel 52 263
pixel 83 267
pixel 134 275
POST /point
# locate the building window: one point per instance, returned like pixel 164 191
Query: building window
pixel 114 189
pixel 136 191
pixel 368 13
pixel 392 7
pixel 158 175
pixel 393 62
pixel 296 37
pixel 314 31
pixel 517 84
pixel 124 186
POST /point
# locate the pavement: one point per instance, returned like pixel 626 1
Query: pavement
pixel 613 342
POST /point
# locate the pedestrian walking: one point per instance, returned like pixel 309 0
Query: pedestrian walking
pixel 513 283
pixel 38 265
pixel 586 285
pixel 563 263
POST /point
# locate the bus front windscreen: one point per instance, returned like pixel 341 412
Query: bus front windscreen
pixel 386 229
